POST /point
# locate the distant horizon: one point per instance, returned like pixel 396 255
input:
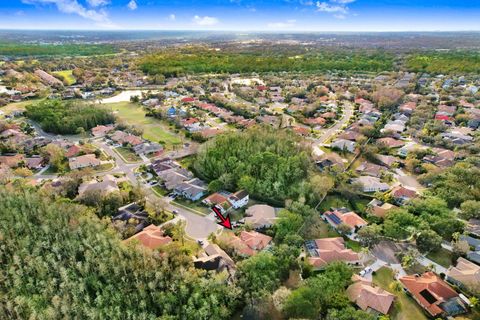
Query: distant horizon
pixel 249 31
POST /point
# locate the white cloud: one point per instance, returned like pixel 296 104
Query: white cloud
pixel 98 3
pixel 339 8
pixel 99 15
pixel 331 8
pixel 132 5
pixel 282 25
pixel 172 17
pixel 205 21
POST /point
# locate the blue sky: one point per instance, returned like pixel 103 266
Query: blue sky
pixel 243 15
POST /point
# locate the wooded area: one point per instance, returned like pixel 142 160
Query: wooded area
pixel 67 117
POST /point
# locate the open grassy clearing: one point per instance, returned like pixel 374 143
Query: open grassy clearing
pixel 153 129
pixel 17 106
pixel 404 308
pixel 67 74
pixel 443 257
pixel 127 154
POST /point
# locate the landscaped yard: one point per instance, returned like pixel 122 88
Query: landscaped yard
pixel 67 74
pixel 160 191
pixel 405 308
pixel 153 129
pixel 318 229
pixel 336 201
pixel 443 257
pixel 192 205
pixel 128 154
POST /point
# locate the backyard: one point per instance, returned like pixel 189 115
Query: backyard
pixel 404 308
pixel 443 257
pixel 67 75
pixel 153 129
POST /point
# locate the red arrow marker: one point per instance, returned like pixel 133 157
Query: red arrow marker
pixel 225 221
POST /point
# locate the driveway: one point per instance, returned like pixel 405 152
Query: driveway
pixel 386 251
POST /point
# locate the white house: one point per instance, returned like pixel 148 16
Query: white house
pixel 371 184
pixel 239 199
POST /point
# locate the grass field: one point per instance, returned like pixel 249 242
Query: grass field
pixel 17 106
pixel 67 74
pixel 442 257
pixel 153 129
pixel 405 308
pixel 127 154
pixel 318 229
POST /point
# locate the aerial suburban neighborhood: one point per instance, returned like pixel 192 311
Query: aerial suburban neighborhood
pixel 303 177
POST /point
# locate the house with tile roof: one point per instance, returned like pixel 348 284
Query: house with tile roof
pixel 249 242
pixel 465 274
pixel 344 216
pixel 379 208
pixel 260 216
pixel 152 237
pixel 401 194
pixel 88 160
pixel 433 294
pixel 368 297
pixel 327 250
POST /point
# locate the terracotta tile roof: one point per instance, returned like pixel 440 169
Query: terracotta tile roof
pixel 215 198
pixel 402 192
pixel 366 296
pixel 330 250
pixel 249 242
pixel 429 290
pixel 73 151
pixel 151 237
pixel 350 218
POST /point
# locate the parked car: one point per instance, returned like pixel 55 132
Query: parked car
pixel 175 212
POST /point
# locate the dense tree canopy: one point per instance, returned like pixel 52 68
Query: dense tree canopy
pixel 174 63
pixel 16 49
pixel 59 261
pixel 269 164
pixel 445 62
pixel 456 184
pixel 67 117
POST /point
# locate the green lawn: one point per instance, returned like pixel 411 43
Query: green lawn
pixel 318 229
pixel 442 257
pixel 153 129
pixel 333 201
pixel 404 308
pixel 128 154
pixel 67 74
pixel 355 246
pixel 160 191
pixel 192 205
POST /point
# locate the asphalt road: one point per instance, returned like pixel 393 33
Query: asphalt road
pixel 197 227
pixel 328 133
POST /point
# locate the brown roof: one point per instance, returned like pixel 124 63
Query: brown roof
pixel 12 161
pixel 429 290
pixel 466 272
pixel 402 192
pixel 391 142
pixel 151 237
pixel 366 296
pixel 215 198
pixel 381 211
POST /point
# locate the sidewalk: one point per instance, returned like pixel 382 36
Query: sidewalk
pixel 427 262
